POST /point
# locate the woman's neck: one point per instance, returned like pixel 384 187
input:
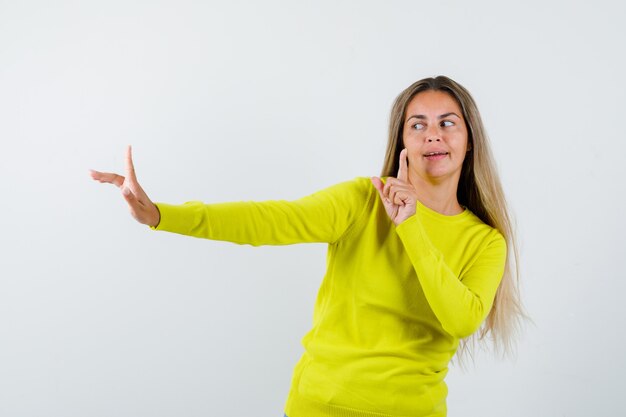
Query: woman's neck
pixel 439 196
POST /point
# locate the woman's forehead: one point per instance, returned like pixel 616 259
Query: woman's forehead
pixel 432 103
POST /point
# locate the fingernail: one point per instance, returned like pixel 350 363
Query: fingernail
pixel 125 191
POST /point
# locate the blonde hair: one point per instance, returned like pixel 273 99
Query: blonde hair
pixel 481 192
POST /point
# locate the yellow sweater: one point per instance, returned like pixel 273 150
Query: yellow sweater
pixel 393 304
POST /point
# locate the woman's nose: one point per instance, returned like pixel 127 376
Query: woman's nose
pixel 433 134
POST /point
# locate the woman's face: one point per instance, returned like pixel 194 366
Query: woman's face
pixel 435 137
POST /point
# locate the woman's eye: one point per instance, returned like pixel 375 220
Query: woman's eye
pixel 418 126
pixel 447 123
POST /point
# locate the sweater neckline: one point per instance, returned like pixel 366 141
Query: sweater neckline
pixel 442 217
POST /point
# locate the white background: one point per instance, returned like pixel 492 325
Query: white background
pixel 243 100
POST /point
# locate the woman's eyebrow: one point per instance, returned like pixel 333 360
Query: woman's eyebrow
pixel 449 114
pixel 421 116
pixel 416 116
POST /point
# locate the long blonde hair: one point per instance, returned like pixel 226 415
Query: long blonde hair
pixel 481 192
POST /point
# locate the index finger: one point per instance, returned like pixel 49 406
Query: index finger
pixel 130 168
pixel 403 166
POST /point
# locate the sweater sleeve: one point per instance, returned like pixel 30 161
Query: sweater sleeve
pixel 323 216
pixel 460 303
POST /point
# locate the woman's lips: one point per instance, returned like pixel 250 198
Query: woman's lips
pixel 436 157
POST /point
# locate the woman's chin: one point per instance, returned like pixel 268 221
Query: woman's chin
pixel 440 175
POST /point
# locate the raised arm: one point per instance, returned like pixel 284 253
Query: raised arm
pixel 460 303
pixel 141 207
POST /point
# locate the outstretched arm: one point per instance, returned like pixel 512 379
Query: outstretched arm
pixel 141 208
pixel 323 217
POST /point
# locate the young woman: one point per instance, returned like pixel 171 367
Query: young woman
pixel 417 259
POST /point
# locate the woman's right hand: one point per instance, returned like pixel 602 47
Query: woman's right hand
pixel 141 207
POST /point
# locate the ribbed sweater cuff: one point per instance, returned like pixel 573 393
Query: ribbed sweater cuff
pixel 174 218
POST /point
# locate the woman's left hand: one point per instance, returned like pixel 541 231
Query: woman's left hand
pixel 397 194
